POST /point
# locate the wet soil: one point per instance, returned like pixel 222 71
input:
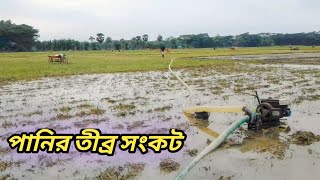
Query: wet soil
pixel 291 56
pixel 151 102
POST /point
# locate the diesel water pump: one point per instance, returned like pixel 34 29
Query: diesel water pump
pixel 269 113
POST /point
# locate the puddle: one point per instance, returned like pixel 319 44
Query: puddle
pixel 151 102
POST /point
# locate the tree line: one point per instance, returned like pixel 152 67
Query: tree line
pixel 24 38
pixel 17 37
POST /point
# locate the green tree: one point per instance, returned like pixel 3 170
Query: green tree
pixel 108 42
pixel 159 38
pixel 117 45
pixel 17 37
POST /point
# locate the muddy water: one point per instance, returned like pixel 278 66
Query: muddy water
pixel 151 102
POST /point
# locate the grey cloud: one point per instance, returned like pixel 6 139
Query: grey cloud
pixel 126 18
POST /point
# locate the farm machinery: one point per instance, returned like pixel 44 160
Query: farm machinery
pixel 269 113
pixel 62 58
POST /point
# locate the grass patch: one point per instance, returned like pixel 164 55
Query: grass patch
pixel 313 97
pixel 307 98
pixel 121 114
pixel 65 109
pixel 63 116
pixel 4 151
pixel 304 138
pixel 135 125
pixel 128 171
pixel 94 111
pixel 97 111
pixel 85 106
pixel 238 90
pixel 273 80
pixel 309 90
pixel 163 109
pixel 32 65
pixel 109 100
pixel 192 152
pixel 34 113
pixel 7 124
pixel 301 81
pixel 216 89
pixel 124 107
pixel 169 165
pixel 224 83
pixel 4 165
pixel 5 177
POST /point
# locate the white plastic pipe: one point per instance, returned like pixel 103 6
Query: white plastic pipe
pixel 182 82
pixel 201 108
pixel 223 136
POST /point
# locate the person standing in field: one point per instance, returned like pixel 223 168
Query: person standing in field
pixel 162 48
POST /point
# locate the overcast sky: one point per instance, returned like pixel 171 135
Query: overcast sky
pixel 78 19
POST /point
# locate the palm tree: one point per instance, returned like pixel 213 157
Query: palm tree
pixel 91 39
pixel 138 38
pixel 100 37
pixel 145 37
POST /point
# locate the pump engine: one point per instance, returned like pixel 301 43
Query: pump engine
pixel 269 113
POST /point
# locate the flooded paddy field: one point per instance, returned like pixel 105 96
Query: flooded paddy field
pixel 151 102
pixel 290 56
